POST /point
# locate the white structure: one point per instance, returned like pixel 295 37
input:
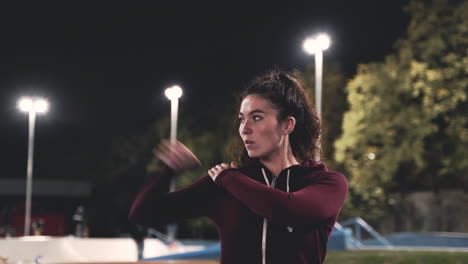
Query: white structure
pixel 44 249
pixel 173 93
pixel 31 106
pixel 316 45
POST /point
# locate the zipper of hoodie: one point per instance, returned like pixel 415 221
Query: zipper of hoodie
pixel 265 221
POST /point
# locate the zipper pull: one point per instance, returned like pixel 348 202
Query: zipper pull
pixel 273 181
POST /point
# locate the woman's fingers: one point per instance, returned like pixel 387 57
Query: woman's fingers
pixel 165 157
pixel 223 166
pixel 234 165
pixel 216 170
pixel 176 155
pixel 186 154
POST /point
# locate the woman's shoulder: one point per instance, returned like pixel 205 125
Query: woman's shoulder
pixel 318 171
pixel 332 175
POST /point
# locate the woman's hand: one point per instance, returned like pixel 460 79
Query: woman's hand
pixel 216 170
pixel 176 155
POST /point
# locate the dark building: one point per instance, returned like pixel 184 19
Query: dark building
pixel 53 205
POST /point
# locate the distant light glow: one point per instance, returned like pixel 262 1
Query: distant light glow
pixel 323 41
pixel 318 43
pixel 37 105
pixel 25 104
pixel 174 92
pixel 371 156
pixel 41 106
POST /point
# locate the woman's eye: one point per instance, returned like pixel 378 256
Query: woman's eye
pixel 241 120
pixel 257 118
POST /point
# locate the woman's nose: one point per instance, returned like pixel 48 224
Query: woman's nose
pixel 245 128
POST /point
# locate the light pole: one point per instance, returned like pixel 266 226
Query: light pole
pixel 32 106
pixel 316 45
pixel 173 93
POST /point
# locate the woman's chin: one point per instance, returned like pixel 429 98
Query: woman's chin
pixel 253 154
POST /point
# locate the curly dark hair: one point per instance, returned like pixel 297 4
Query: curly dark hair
pixel 286 93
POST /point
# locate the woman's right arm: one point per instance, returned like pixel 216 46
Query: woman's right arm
pixel 155 205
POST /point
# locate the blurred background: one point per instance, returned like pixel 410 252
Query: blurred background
pixel 394 103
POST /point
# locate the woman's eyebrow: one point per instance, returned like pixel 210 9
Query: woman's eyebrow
pixel 253 112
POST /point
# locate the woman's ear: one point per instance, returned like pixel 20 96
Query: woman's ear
pixel 290 124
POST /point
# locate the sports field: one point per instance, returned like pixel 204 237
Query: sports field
pixel 396 257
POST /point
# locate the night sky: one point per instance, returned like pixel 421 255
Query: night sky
pixel 104 66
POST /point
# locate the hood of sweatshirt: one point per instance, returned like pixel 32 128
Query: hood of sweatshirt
pixel 253 166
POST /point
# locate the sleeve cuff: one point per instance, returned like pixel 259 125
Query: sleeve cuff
pixel 221 179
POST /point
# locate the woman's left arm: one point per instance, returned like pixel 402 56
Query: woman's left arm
pixel 313 204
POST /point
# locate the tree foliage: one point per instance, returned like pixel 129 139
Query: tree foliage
pixel 334 104
pixel 407 126
pixel 129 161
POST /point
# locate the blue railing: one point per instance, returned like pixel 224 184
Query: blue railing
pixel 359 225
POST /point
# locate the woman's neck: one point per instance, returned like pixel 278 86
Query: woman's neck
pixel 276 162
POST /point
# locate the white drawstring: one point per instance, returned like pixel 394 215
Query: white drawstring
pixel 264 224
pixel 265 177
pixel 265 221
pixel 290 229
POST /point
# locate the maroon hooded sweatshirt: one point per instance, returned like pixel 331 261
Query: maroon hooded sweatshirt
pixel 286 220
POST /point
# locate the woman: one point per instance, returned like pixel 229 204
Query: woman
pixel 272 208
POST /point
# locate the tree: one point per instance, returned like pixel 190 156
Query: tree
pixel 407 126
pixel 207 140
pixel 334 105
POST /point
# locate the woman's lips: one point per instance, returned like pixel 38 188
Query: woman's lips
pixel 249 143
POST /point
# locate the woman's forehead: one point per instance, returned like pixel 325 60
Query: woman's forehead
pixel 254 102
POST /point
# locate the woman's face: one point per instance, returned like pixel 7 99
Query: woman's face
pixel 259 128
